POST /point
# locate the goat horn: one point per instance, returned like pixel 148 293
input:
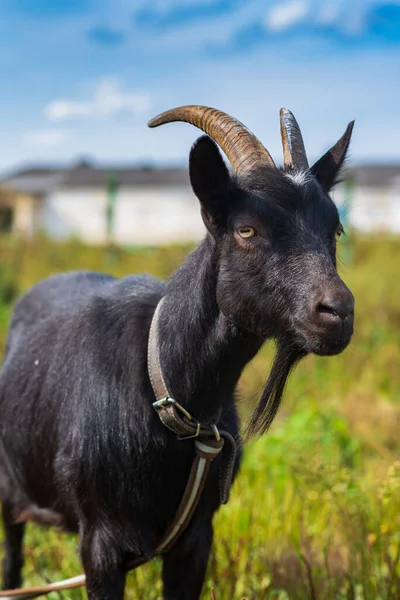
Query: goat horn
pixel 294 152
pixel 243 149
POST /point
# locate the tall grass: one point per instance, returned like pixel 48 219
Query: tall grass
pixel 315 512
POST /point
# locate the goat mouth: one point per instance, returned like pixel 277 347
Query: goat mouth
pixel 323 344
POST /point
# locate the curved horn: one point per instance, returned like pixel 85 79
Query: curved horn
pixel 243 149
pixel 294 153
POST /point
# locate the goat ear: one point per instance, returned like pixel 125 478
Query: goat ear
pixel 210 181
pixel 326 169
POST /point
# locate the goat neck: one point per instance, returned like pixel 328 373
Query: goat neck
pixel 202 354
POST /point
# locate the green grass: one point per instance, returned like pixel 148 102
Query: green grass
pixel 315 511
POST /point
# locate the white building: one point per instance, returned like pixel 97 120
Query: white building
pixel 373 193
pixel 151 206
pixel 154 206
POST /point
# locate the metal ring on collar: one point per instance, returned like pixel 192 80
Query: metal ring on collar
pixel 167 400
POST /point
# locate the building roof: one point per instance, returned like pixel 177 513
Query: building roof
pixel 375 175
pixel 89 177
pixel 35 184
pixel 41 180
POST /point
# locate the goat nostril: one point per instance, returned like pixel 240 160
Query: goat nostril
pixel 326 309
pixel 336 307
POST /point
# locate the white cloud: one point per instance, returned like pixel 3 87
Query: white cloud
pixel 108 100
pixel 161 7
pixel 328 14
pixel 284 15
pixel 47 138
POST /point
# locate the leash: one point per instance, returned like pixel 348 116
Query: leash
pixel 208 444
pixel 34 592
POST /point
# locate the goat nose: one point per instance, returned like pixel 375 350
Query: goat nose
pixel 336 305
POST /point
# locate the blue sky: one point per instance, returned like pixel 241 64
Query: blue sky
pixel 82 77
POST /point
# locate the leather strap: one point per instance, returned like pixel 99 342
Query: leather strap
pixel 153 357
pixel 205 454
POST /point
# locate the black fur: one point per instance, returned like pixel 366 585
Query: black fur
pixel 81 445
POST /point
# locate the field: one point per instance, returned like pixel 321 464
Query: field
pixel 315 512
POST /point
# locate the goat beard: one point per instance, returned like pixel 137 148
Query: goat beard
pixel 288 355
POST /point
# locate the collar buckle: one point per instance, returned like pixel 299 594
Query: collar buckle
pixel 168 400
pixel 199 428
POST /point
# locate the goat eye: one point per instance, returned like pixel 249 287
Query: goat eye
pixel 339 232
pixel 246 232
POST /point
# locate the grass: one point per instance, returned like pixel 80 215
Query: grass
pixel 315 512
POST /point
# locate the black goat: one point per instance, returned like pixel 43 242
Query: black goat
pixel 80 443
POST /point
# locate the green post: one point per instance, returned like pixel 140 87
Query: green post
pixel 344 211
pixel 112 191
